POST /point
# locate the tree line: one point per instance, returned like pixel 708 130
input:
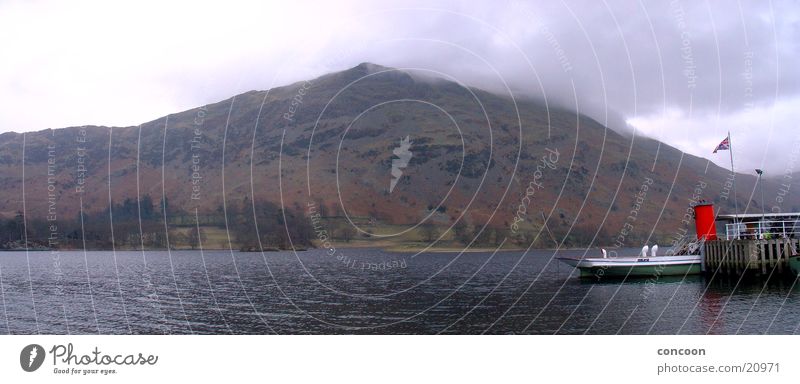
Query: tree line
pixel 140 224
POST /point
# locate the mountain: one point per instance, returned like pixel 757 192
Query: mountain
pixel 333 146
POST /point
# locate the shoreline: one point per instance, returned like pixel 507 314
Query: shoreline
pixel 385 248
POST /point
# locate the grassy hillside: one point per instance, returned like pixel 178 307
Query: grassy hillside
pixel 481 164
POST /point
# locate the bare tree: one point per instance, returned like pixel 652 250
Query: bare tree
pixel 346 233
pixel 461 232
pixel 429 232
pixel 194 238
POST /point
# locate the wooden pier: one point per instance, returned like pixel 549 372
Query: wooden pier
pixel 749 256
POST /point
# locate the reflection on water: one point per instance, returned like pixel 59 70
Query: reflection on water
pixel 369 291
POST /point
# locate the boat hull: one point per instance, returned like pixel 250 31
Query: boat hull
pixel 642 271
pixel 794 264
pixel 637 266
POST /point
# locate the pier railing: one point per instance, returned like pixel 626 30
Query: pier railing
pixel 739 256
pixel 763 230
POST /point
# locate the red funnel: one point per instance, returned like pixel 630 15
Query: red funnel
pixel 704 221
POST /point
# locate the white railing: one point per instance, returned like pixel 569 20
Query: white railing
pixel 687 245
pixel 768 229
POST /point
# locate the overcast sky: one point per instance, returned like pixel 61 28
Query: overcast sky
pixel 684 72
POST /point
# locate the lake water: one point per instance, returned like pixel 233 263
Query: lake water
pixel 369 291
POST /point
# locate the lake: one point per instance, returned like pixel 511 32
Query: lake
pixel 369 291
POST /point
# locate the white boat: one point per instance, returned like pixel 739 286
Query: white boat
pixel 640 265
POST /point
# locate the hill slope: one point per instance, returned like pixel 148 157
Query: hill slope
pixel 328 145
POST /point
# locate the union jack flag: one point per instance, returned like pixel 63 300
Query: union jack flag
pixel 724 145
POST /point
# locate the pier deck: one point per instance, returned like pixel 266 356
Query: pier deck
pixel 764 257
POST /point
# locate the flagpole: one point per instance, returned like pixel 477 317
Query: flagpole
pixel 733 174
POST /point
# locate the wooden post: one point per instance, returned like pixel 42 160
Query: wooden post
pixel 714 255
pixel 748 259
pixel 731 257
pixel 771 254
pixel 765 246
pixel 713 259
pixel 752 254
pixel 730 249
pixel 742 253
pixel 777 252
pixel 739 262
pixel 782 249
pixel 714 250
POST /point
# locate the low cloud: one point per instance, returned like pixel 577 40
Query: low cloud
pixel 683 72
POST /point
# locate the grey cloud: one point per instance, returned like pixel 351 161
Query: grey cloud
pixel 620 60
